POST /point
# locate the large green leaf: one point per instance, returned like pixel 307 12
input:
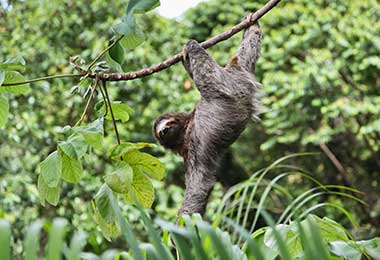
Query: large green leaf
pixel 75 146
pixel 108 229
pixel 128 28
pixel 71 168
pixel 345 249
pixel 146 163
pixel 51 169
pixel 14 77
pixel 51 195
pixel 92 133
pixel 120 180
pixel 330 230
pixel 4 110
pixel 120 150
pixel 103 204
pixel 133 36
pixel 17 63
pixel 120 111
pixel 143 189
pixel 372 247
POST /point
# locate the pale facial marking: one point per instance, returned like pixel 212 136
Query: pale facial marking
pixel 162 125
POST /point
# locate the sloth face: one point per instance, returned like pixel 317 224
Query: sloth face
pixel 166 128
pixel 169 130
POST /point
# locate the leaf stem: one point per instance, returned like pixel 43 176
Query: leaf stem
pixel 105 101
pixel 43 78
pixel 100 55
pixel 88 103
pixel 111 111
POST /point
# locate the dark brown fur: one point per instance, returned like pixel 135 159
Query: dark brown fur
pixel 228 101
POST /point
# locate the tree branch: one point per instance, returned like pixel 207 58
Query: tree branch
pixel 336 163
pixel 251 19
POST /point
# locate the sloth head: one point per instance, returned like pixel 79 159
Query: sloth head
pixel 169 130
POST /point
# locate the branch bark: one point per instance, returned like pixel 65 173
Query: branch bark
pixel 336 163
pixel 251 19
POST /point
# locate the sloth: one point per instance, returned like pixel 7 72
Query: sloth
pixel 229 99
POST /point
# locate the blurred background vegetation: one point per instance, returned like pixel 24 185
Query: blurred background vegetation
pixel 320 74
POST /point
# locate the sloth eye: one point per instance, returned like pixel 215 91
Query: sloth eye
pixel 164 131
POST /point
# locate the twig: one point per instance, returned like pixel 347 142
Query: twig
pixel 100 55
pixel 105 101
pixel 251 19
pixel 40 79
pixel 336 163
pixel 111 111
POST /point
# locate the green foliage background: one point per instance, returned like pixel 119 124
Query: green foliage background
pixel 320 74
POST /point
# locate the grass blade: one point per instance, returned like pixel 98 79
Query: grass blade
pixel 5 240
pixel 285 255
pixel 77 243
pixel 253 250
pixel 195 240
pixel 56 239
pixel 32 240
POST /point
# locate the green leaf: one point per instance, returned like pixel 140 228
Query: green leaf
pixel 146 163
pixel 133 36
pixel 372 247
pixel 120 180
pixel 92 133
pixel 51 169
pixel 4 110
pixel 125 227
pixel 71 168
pixel 103 204
pixel 120 150
pixel 120 111
pixel 51 195
pixel 17 63
pixel 117 53
pixel 14 77
pixel 141 6
pixel 143 189
pixel 330 230
pixel 104 212
pixel 108 229
pixel 75 147
pixel 344 249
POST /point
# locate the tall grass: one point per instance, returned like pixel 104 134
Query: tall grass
pixel 235 233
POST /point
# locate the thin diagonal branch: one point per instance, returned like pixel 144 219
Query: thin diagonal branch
pixel 251 19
